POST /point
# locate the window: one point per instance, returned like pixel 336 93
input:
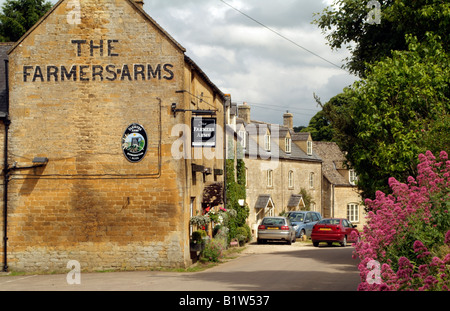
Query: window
pixel 315 217
pixel 309 147
pixel 353 212
pixel 267 142
pixel 311 180
pixel 243 136
pixel 287 142
pixel 352 177
pixel 269 178
pixel 308 217
pixel 291 179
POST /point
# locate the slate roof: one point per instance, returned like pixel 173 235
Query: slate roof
pixel 294 200
pixel 296 152
pixel 333 159
pixel 262 201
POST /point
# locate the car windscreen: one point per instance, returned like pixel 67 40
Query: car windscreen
pixel 296 217
pixel 273 221
pixel 329 222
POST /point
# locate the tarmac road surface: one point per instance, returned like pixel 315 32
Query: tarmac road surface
pixel 269 267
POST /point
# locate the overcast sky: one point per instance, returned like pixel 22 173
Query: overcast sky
pixel 252 63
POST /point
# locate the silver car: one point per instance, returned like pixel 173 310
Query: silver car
pixel 276 228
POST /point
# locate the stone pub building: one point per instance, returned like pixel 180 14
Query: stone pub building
pixel 97 160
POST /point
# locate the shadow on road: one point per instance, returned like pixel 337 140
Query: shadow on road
pixel 306 269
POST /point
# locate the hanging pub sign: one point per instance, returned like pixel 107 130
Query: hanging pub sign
pixel 203 132
pixel 134 143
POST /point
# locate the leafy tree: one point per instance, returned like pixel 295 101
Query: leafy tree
pixel 319 127
pixel 401 109
pixel 307 199
pixel 299 128
pixel 347 25
pixel 18 16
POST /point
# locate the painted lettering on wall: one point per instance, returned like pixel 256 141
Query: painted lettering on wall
pixel 91 72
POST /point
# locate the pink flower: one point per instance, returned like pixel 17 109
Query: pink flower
pixel 447 235
pixel 392 218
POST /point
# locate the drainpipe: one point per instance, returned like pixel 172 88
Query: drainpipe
pixel 6 174
pixel 332 201
pixel 224 140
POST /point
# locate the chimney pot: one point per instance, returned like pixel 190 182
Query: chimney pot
pixel 244 112
pixel 288 120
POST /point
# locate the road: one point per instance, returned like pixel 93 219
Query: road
pixel 271 267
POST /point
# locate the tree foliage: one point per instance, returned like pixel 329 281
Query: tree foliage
pixel 401 109
pixel 347 26
pixel 18 16
pixel 235 184
pixel 319 127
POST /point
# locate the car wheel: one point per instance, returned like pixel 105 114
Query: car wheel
pixel 302 234
pixel 344 242
pixel 261 241
pixel 295 238
pixel 316 244
pixel 289 241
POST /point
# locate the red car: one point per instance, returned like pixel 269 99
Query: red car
pixel 334 230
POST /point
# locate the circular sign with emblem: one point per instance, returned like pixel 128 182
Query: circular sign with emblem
pixel 134 143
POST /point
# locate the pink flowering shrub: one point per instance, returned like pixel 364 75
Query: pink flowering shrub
pixel 408 232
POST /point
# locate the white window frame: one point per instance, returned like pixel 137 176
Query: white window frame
pixel 311 180
pixel 291 179
pixel 287 142
pixel 309 147
pixel 267 142
pixel 353 212
pixel 243 136
pixel 352 177
pixel 269 178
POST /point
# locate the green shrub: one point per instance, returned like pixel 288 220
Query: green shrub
pixel 216 230
pixel 249 232
pixel 198 235
pixel 241 235
pixel 213 250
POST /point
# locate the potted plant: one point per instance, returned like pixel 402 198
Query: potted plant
pixel 197 242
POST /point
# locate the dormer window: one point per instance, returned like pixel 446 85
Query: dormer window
pixel 352 177
pixel 309 147
pixel 243 136
pixel 287 142
pixel 267 142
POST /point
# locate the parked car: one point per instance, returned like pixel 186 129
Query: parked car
pixel 276 228
pixel 331 230
pixel 305 221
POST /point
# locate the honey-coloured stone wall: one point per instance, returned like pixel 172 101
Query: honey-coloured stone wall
pixel 78 80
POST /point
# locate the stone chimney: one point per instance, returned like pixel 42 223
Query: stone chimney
pixel 244 112
pixel 288 120
pixel 140 3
